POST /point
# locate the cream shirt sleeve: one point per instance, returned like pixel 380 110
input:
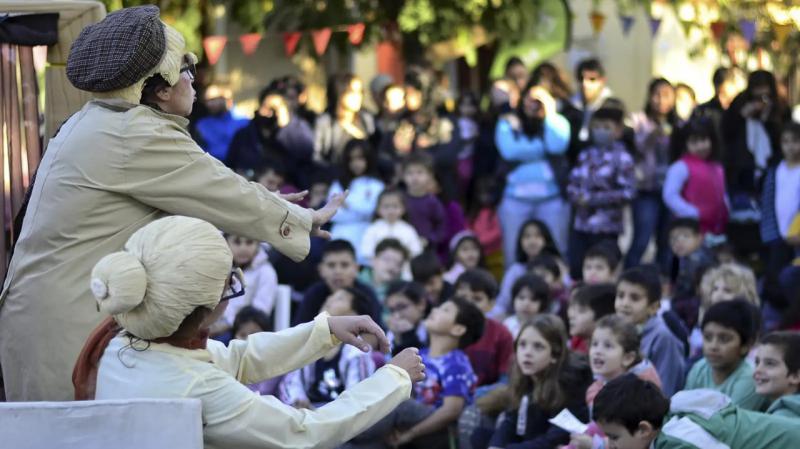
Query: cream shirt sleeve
pixel 165 169
pixel 265 355
pixel 234 416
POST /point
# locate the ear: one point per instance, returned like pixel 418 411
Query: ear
pixel 794 379
pixel 628 358
pixel 164 94
pixel 645 431
pixel 653 307
pixel 458 330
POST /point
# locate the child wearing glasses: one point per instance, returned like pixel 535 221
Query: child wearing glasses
pixel 258 275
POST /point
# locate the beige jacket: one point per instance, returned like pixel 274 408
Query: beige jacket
pixel 113 168
pixel 234 416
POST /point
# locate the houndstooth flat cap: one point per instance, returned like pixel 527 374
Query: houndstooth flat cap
pixel 118 51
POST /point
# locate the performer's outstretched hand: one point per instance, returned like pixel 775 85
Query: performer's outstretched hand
pixel 321 216
pixel 359 331
pixel 409 360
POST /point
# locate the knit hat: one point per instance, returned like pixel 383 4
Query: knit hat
pixel 166 270
pixel 114 57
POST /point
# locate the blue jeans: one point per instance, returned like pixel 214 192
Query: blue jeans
pixel 650 219
pixel 554 212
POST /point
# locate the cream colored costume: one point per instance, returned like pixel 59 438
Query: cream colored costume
pixel 114 167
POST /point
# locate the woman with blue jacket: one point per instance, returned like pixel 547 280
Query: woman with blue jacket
pixel 525 139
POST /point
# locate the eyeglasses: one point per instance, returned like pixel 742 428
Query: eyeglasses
pixel 235 285
pixel 191 69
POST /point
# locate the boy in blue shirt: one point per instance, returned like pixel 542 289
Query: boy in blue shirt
pixel 634 414
pixel 638 301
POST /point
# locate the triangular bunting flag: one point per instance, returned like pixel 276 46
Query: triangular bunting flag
pixel 655 24
pixel 598 21
pixel 782 31
pixel 627 24
pixel 687 27
pixel 213 45
pixel 290 41
pixel 748 29
pixel 355 33
pixel 249 42
pixel 321 39
pixel 717 28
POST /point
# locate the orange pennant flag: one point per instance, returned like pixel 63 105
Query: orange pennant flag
pixel 249 42
pixel 321 39
pixel 213 45
pixel 598 21
pixel 290 41
pixel 355 33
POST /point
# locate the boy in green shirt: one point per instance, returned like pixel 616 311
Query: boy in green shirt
pixel 729 331
pixel 777 372
pixel 634 414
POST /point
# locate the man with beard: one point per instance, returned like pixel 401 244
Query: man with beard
pixel 273 134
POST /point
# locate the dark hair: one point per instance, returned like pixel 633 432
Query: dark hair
pixel 738 315
pixel 608 250
pixel 685 86
pixel 615 115
pixel 270 164
pixel 471 317
pixel 273 88
pixel 546 390
pixel 152 85
pixel 646 277
pixel 721 74
pixel 391 243
pixel 551 78
pixel 411 290
pixel 689 223
pixel 338 85
pixel 548 262
pixel 615 103
pixel 479 280
pixel 512 61
pixel 589 64
pixel 598 297
pixel 387 192
pixel 766 78
pixel 629 400
pixel 537 286
pixel 250 314
pixel 425 267
pixel 370 155
pixel 422 159
pixel 655 83
pixel 787 342
pixel 792 128
pixel 338 246
pixel 549 243
pixel 696 128
pixel 626 333
pixel 361 303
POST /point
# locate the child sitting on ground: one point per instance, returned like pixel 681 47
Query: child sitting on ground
pixel 260 279
pixel 342 367
pixel 638 301
pixel 777 372
pixel 448 386
pixel 427 271
pixel 729 330
pixel 491 354
pixel 407 305
pixel 387 266
pixel 466 253
pixel 249 321
pixel 425 210
pixel 546 378
pixel 634 414
pixel 390 221
pixel 531 297
pixel 601 263
pixel 694 258
pixel 534 238
pixel 614 352
pixel 548 268
pixel 589 303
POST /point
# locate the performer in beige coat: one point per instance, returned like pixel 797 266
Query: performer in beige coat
pixel 115 166
pixel 171 281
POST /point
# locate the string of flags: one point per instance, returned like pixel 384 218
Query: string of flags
pixel 215 45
